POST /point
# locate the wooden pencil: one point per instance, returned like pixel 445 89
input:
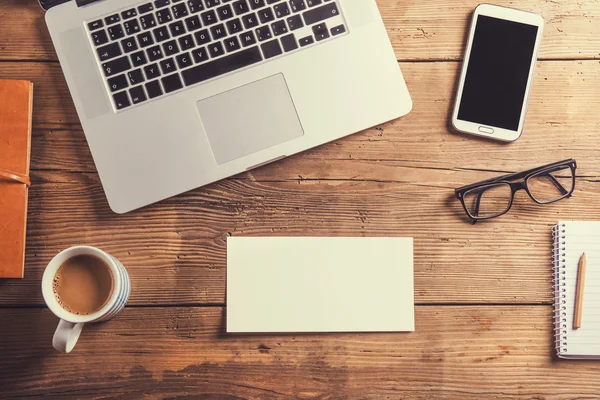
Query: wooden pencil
pixel 579 295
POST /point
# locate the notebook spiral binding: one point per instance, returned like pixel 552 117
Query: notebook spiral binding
pixel 559 234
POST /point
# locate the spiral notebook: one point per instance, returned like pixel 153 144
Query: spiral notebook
pixel 571 240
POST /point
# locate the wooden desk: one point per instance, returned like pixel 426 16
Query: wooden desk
pixel 483 292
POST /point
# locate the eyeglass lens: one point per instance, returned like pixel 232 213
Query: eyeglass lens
pixel 551 185
pixel 488 201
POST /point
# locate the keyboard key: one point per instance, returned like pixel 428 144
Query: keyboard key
pixel 212 3
pixel 109 51
pixel 263 33
pixel 116 66
pixel 240 7
pixel 196 5
pixel 312 3
pixel 138 59
pixel 232 44
pixel 121 100
pixel 289 42
pixel 135 76
pixel 177 28
pixel 117 83
pixel 216 49
pixel 145 8
pixel 209 17
pixel 221 66
pixel 338 30
pixel 271 49
pixel 234 26
pixel 256 4
pixel 295 22
pixel 247 39
pixel 281 10
pixel 192 23
pixel 225 12
pixel 100 37
pixel 161 34
pixel 129 44
pixel 152 71
pixel 92 26
pixel 298 5
pixel 116 32
pixel 161 3
pixel 154 53
pixel 137 95
pixel 320 31
pixel 306 41
pixel 154 90
pixel 202 37
pixel 218 32
pixel 250 21
pixel 179 10
pixel 186 42
pixel 145 39
pixel 200 55
pixel 132 27
pixel 168 66
pixel 170 48
pixel 129 13
pixel 279 28
pixel 113 19
pixel 184 60
pixel 172 83
pixel 313 16
pixel 266 15
pixel 163 16
pixel 148 21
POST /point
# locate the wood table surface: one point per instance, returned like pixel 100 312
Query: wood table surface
pixel 483 292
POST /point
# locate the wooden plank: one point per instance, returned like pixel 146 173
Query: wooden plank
pixel 456 353
pixel 562 116
pixel 176 250
pixel 418 31
pixel 437 29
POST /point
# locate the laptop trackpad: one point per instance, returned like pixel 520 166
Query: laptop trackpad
pixel 250 118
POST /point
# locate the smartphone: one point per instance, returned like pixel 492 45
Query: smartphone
pixel 497 72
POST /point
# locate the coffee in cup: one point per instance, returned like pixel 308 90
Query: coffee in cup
pixel 80 285
pixel 83 284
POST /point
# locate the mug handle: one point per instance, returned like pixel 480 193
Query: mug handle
pixel 66 336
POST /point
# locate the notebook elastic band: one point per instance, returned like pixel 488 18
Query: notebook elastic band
pixel 15 177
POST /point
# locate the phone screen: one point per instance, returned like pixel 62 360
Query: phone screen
pixel 498 72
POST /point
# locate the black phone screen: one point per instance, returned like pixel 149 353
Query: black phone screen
pixel 498 72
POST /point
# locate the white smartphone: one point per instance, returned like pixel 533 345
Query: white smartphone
pixel 497 72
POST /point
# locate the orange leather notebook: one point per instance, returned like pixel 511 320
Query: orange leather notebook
pixel 16 101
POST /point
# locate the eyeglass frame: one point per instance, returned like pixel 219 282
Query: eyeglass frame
pixel 516 186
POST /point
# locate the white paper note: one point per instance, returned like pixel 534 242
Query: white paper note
pixel 311 284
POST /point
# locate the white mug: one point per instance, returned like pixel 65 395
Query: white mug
pixel 70 325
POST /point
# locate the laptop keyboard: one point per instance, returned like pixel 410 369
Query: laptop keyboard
pixel 161 47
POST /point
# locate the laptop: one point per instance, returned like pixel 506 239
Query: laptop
pixel 176 94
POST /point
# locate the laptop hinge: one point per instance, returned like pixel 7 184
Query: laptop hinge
pixel 48 4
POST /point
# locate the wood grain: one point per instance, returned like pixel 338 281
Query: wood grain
pixel 432 30
pixel 483 291
pixel 153 353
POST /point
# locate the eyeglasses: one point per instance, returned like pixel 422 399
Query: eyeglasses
pixel 494 197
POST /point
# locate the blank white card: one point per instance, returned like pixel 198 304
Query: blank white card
pixel 312 284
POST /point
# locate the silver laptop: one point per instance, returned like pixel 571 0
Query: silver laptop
pixel 176 94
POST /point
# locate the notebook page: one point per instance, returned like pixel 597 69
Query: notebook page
pixel 580 237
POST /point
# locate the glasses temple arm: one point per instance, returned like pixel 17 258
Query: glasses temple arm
pixel 558 185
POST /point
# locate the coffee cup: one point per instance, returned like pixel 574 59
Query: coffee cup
pixel 81 285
